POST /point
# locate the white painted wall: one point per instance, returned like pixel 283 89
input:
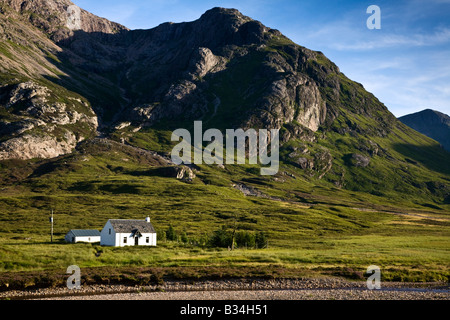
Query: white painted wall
pixel 142 241
pixel 108 235
pixel 69 237
pixel 87 239
pixel 113 239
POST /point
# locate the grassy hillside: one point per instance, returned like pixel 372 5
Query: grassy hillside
pixel 312 228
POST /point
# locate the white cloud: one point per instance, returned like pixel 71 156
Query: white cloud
pixel 404 91
pixel 357 41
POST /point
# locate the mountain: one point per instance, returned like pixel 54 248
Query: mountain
pixel 66 84
pixel 87 112
pixel 39 118
pixel 433 124
pixel 224 68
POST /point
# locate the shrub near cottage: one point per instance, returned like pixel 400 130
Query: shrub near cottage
pixel 171 234
pixel 223 238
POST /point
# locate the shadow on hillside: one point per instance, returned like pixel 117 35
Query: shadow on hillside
pixel 139 68
pixel 92 63
pixel 432 157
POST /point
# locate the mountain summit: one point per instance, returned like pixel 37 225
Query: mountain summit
pixel 67 76
pixel 225 68
pixel 433 124
pixel 59 18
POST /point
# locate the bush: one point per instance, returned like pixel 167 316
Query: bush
pixel 245 239
pixel 261 240
pixel 161 236
pixel 221 238
pixel 203 240
pixel 171 234
pixel 184 237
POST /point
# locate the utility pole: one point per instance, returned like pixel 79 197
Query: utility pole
pixel 233 236
pixel 51 222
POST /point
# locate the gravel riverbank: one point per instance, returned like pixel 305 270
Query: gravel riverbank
pixel 245 289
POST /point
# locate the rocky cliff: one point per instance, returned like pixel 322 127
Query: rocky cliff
pixel 38 117
pixel 61 18
pixel 225 69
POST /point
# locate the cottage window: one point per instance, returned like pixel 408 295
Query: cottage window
pixel 125 240
pixel 147 240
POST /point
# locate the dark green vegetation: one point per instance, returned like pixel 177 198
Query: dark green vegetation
pixel 355 188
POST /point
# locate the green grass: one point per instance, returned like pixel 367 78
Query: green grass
pixel 313 228
pixel 314 231
pixel 147 138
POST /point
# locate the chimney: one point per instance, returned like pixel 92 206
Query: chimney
pixel 147 219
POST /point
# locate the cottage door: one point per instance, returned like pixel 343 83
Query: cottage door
pixel 136 241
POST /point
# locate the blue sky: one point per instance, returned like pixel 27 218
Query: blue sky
pixel 405 64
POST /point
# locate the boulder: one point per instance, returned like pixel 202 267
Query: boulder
pixel 359 160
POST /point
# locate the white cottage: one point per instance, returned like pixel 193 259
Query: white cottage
pixel 121 233
pixel 74 236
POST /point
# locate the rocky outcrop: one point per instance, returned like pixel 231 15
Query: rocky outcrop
pixel 27 91
pixel 317 163
pixel 31 99
pixel 248 190
pixel 40 126
pixel 292 99
pixel 60 18
pixel 34 146
pixel 359 160
pixel 205 62
pixel 183 173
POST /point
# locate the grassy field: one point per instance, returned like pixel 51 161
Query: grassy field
pixel 312 230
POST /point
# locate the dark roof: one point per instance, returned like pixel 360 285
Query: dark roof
pixel 132 226
pixel 85 233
